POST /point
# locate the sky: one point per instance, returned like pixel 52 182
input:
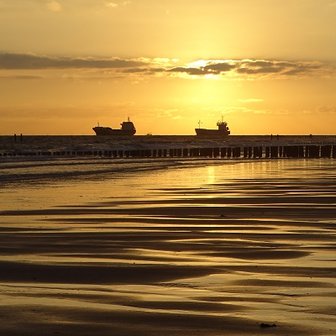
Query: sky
pixel 264 66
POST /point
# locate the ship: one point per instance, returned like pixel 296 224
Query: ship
pixel 221 132
pixel 127 129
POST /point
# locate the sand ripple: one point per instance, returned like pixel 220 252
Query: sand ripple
pixel 253 244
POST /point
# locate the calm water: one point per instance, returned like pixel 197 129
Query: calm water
pixel 169 247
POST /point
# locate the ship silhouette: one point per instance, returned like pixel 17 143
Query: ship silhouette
pixel 221 131
pixel 127 129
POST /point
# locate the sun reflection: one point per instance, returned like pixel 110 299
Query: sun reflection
pixel 211 175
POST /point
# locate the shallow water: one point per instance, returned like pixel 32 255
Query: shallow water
pixel 168 246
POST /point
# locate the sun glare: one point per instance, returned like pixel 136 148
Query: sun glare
pixel 212 76
pixel 198 64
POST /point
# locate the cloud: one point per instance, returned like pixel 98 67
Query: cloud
pixel 259 67
pixel 187 70
pixel 11 61
pixel 210 67
pixel 236 68
pixel 218 67
pixel 250 67
pixel 276 67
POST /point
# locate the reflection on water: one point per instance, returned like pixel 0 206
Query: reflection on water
pixel 176 247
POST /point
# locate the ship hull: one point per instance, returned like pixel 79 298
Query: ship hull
pixel 108 131
pixel 211 133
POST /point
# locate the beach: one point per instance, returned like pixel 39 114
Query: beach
pixel 173 246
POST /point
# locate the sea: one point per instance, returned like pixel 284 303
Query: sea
pixel 31 143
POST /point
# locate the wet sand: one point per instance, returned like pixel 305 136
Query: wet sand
pixel 234 248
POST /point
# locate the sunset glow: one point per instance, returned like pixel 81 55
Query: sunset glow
pixel 266 67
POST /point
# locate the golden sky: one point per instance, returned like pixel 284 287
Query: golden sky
pixel 266 66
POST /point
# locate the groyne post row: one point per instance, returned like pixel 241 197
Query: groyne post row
pixel 250 152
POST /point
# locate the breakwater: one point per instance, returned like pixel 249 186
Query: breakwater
pixel 253 147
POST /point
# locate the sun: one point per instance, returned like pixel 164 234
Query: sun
pixel 198 64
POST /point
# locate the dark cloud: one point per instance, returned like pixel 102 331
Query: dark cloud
pixel 211 68
pixel 218 68
pixel 258 67
pixel 263 67
pixel 11 61
pixel 250 67
pixel 259 70
pixel 189 71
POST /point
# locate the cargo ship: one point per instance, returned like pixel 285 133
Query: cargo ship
pixel 127 129
pixel 221 131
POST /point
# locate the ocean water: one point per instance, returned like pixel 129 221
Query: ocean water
pixel 91 143
pixel 140 247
